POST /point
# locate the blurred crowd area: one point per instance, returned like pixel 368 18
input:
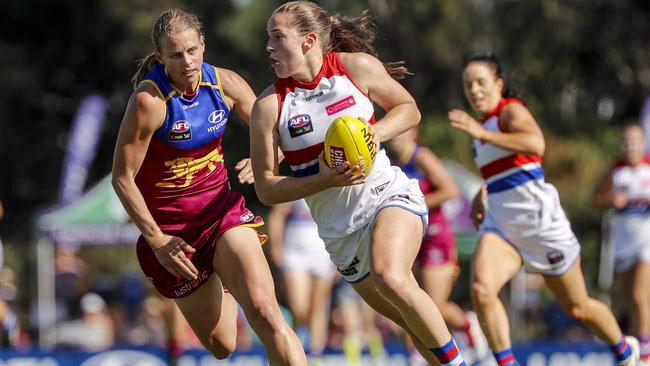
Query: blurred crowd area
pixel 101 304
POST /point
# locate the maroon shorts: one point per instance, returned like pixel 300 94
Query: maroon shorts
pixel 437 250
pixel 233 214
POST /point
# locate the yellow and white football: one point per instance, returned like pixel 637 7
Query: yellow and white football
pixel 349 139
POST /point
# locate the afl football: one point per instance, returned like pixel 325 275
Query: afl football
pixel 349 139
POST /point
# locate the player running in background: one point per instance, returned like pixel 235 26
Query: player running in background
pixel 308 274
pixel 524 224
pixel 626 188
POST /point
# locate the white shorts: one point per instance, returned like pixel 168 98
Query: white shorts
pixel 351 253
pixel 630 236
pixel 304 251
pixel 531 219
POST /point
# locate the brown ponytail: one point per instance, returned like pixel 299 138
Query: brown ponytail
pixel 357 35
pixel 339 33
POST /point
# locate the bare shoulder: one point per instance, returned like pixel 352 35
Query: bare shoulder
pixel 366 70
pixel 425 153
pixel 234 85
pixel 268 96
pixel 359 60
pixel 515 110
pixel 146 106
pixel 360 63
pixel 266 106
pixel 147 98
pixel 427 158
pixel 229 77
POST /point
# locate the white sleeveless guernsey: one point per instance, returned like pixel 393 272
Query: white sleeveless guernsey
pixel 630 226
pixel 344 214
pixel 502 169
pixel 305 113
pixel 521 207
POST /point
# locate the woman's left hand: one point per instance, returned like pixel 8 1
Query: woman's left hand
pixel 245 169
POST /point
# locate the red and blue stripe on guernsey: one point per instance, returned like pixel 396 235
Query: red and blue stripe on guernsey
pixel 305 111
pixel 184 162
pixel 502 169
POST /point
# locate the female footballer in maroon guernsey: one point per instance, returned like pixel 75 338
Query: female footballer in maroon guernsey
pixel 169 173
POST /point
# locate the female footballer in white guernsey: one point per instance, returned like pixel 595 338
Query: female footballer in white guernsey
pixel 626 188
pixel 372 225
pixel 524 224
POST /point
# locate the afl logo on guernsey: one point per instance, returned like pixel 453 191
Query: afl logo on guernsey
pixel 300 125
pixel 180 131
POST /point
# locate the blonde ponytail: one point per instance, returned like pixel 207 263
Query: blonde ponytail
pixel 143 68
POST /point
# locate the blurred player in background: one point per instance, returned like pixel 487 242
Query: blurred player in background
pixel 169 173
pixel 8 318
pixel 437 264
pixel 358 324
pixel 308 274
pixel 372 225
pixel 626 188
pixel 524 224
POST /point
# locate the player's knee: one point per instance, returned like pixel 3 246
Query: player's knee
pixel 221 348
pixel 577 312
pixel 640 298
pixel 483 294
pixel 390 283
pixel 264 315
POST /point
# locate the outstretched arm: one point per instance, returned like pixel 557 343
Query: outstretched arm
pixel 521 133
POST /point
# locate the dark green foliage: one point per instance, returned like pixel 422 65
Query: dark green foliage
pixel 569 60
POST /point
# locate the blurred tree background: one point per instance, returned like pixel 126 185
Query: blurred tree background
pixel 581 66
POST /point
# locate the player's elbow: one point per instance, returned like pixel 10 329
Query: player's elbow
pixel 536 146
pixel 417 116
pixel 264 199
pixel 118 182
pixel 263 194
pixel 453 192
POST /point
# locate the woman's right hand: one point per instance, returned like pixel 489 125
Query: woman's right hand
pixel 478 208
pixel 461 120
pixel 339 176
pixel 478 213
pixel 170 252
pixel 619 200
